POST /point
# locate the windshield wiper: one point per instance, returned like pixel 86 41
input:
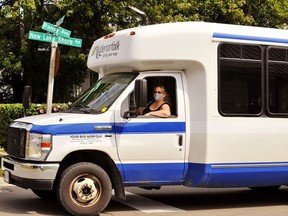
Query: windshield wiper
pixel 85 108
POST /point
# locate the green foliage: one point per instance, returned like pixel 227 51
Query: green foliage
pixel 10 112
pixel 7 114
pixel 269 13
pixel 21 62
pixel 70 71
pixel 265 13
pixel 163 11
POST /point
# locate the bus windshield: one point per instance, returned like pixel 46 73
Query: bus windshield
pixel 101 96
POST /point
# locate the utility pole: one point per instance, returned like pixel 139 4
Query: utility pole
pixel 54 46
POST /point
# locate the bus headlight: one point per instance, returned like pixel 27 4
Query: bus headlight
pixel 38 146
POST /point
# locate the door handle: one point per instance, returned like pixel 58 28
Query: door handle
pixel 180 140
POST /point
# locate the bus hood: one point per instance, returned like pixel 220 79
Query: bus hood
pixel 65 123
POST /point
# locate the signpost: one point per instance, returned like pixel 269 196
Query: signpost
pixel 59 36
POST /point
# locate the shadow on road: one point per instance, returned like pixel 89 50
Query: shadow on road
pixel 203 198
pixel 17 201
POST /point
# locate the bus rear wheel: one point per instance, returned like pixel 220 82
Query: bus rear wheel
pixel 84 189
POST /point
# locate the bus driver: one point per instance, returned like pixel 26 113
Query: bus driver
pixel 160 106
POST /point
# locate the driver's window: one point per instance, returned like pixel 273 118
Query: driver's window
pixel 168 82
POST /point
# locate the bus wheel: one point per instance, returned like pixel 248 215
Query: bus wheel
pixel 84 189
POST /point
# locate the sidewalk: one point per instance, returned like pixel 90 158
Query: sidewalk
pixel 2 180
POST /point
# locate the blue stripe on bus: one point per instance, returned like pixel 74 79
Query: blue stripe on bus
pixel 60 129
pixel 206 175
pixel 237 175
pixel 153 173
pixel 252 175
pixel 126 128
pixel 249 38
pixel 151 127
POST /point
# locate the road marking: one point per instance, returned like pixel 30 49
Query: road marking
pixel 146 205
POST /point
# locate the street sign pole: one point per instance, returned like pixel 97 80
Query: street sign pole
pixel 59 36
pixel 54 46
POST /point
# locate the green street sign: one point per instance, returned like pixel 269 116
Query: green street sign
pixel 56 30
pixel 63 32
pixel 39 36
pixel 76 42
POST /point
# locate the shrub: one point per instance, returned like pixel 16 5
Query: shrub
pixel 10 112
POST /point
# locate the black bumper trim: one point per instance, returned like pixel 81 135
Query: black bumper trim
pixel 35 184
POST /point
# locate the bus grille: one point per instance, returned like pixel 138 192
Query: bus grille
pixel 16 142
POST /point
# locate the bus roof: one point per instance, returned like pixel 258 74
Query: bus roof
pixel 172 45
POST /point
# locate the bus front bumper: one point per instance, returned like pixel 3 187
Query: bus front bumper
pixel 37 176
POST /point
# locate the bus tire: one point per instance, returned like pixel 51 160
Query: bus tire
pixel 84 189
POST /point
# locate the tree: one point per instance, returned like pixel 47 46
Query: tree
pixel 88 20
pixel 265 13
pixel 163 11
pixel 10 60
pixel 22 62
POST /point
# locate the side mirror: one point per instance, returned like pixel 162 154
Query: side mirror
pixel 141 92
pixel 27 97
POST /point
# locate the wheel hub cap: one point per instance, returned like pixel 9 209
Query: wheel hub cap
pixel 85 190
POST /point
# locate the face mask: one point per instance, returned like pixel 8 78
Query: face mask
pixel 157 96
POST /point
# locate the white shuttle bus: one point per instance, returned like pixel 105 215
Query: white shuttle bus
pixel 228 127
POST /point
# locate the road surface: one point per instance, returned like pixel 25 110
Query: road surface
pixel 169 201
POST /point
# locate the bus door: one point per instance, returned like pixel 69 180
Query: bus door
pixel 152 149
